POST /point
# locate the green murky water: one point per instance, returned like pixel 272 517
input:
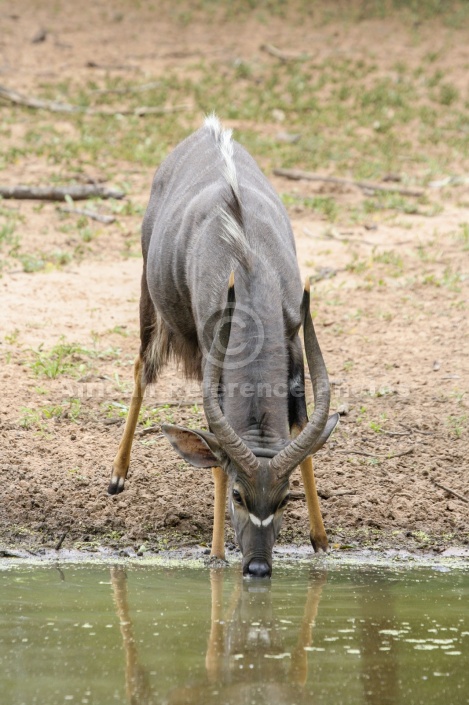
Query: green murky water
pixel 144 635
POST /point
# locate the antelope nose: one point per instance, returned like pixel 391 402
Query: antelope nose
pixel 259 569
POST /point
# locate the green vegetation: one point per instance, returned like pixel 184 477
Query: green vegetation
pixel 345 111
pixel 66 359
pixel 458 424
pixel 36 418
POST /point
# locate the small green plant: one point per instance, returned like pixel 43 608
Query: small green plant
pixel 391 258
pixel 31 263
pixel 30 418
pixel 458 424
pixel 377 426
pixel 67 359
pixel 115 409
pixel 448 94
pixel 62 359
pixel 357 266
pixel 362 412
pixel 464 235
pixel 12 338
pixel 325 205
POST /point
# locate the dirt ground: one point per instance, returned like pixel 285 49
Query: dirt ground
pixel 390 306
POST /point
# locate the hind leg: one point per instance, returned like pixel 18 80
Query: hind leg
pixel 143 373
pixel 121 462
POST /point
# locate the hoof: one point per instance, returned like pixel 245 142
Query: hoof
pixel 215 562
pixel 319 543
pixel 116 486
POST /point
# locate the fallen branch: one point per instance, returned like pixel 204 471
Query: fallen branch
pixel 148 431
pixel 283 55
pixel 57 107
pixel 130 89
pixel 409 451
pixel 450 491
pixel 395 433
pixel 375 455
pixel 324 494
pixel 20 99
pixel 183 402
pixel 412 429
pixel 298 174
pixel 106 219
pixel 59 543
pixel 77 192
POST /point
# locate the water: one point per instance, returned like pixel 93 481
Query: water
pixel 153 635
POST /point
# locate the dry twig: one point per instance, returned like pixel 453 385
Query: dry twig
pixel 57 107
pixel 125 91
pixel 298 174
pixel 412 429
pixel 375 455
pixel 148 431
pixel 325 494
pixel 101 218
pixel 77 192
pixel 61 540
pixel 284 55
pixel 450 491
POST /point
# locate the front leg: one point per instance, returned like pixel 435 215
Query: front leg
pixel 218 539
pixel 298 418
pixel 317 533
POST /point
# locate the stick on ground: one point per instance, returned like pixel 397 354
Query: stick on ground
pixel 450 491
pixel 375 455
pixel 76 192
pixel 101 218
pixel 57 107
pixel 298 174
pixel 283 55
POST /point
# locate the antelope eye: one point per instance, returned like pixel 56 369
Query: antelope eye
pixel 237 497
pixel 284 502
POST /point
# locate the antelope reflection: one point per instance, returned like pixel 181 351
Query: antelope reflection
pixel 246 657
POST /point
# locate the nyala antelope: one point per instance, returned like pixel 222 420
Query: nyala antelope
pixel 267 679
pixel 221 293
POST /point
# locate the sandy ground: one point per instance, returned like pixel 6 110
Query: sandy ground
pixel 395 346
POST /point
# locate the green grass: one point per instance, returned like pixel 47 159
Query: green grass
pixel 325 205
pixel 350 117
pixel 69 359
pixel 355 116
pixel 36 417
pixel 458 424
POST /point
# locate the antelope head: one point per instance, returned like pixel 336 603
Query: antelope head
pixel 258 477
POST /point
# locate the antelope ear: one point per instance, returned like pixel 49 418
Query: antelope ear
pixel 199 448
